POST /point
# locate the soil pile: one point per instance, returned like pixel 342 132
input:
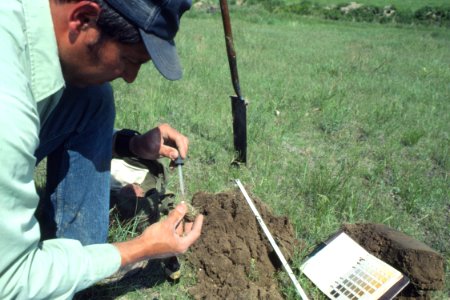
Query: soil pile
pixel 423 266
pixel 233 258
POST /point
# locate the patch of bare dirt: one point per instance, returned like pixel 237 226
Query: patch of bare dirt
pixel 233 258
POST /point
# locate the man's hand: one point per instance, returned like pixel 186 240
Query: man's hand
pixel 162 141
pixel 166 238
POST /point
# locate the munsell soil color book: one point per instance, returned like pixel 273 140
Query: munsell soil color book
pixel 342 269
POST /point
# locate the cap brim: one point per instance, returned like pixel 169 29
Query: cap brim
pixel 164 55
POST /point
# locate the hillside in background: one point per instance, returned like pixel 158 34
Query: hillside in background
pixel 431 12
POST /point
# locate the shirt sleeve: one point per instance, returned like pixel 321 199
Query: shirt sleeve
pixel 30 269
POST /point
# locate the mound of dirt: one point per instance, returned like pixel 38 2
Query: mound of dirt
pixel 233 258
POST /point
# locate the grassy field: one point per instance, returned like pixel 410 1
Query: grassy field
pixel 347 122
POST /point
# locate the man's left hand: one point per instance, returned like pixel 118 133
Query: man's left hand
pixel 162 141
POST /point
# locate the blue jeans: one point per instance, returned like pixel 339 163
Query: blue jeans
pixel 77 141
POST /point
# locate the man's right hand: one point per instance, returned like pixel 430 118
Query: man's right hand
pixel 166 238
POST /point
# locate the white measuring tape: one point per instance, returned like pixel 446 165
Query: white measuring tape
pixel 272 241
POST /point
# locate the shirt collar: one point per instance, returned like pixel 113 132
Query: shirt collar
pixel 45 67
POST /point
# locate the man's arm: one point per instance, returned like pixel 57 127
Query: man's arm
pixel 29 268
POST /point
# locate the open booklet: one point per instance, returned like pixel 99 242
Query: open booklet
pixel 342 269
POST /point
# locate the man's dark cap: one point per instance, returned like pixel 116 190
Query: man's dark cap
pixel 158 22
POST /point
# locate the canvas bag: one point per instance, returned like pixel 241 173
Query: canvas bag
pixel 151 176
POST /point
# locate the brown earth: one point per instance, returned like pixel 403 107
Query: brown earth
pixel 233 258
pixel 424 267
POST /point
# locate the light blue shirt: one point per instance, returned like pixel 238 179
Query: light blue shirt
pixel 31 83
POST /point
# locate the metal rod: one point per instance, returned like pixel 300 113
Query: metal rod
pixel 272 241
pixel 179 163
pixel 180 175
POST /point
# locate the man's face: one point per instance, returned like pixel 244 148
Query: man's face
pixel 104 61
pixel 87 57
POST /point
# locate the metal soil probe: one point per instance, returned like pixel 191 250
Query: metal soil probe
pixel 179 163
pixel 238 104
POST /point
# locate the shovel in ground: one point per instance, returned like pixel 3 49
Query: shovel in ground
pixel 238 104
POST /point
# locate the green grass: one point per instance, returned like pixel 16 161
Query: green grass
pixel 362 133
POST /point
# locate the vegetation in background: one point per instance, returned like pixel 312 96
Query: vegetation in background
pixel 435 12
pixel 411 5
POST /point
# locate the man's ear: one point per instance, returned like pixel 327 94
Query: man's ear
pixel 84 15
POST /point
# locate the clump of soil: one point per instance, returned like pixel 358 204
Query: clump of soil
pixel 233 258
pixel 421 264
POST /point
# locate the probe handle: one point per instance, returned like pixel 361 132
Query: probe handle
pixel 179 161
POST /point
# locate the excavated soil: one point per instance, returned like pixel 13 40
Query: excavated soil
pixel 233 258
pixel 422 265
